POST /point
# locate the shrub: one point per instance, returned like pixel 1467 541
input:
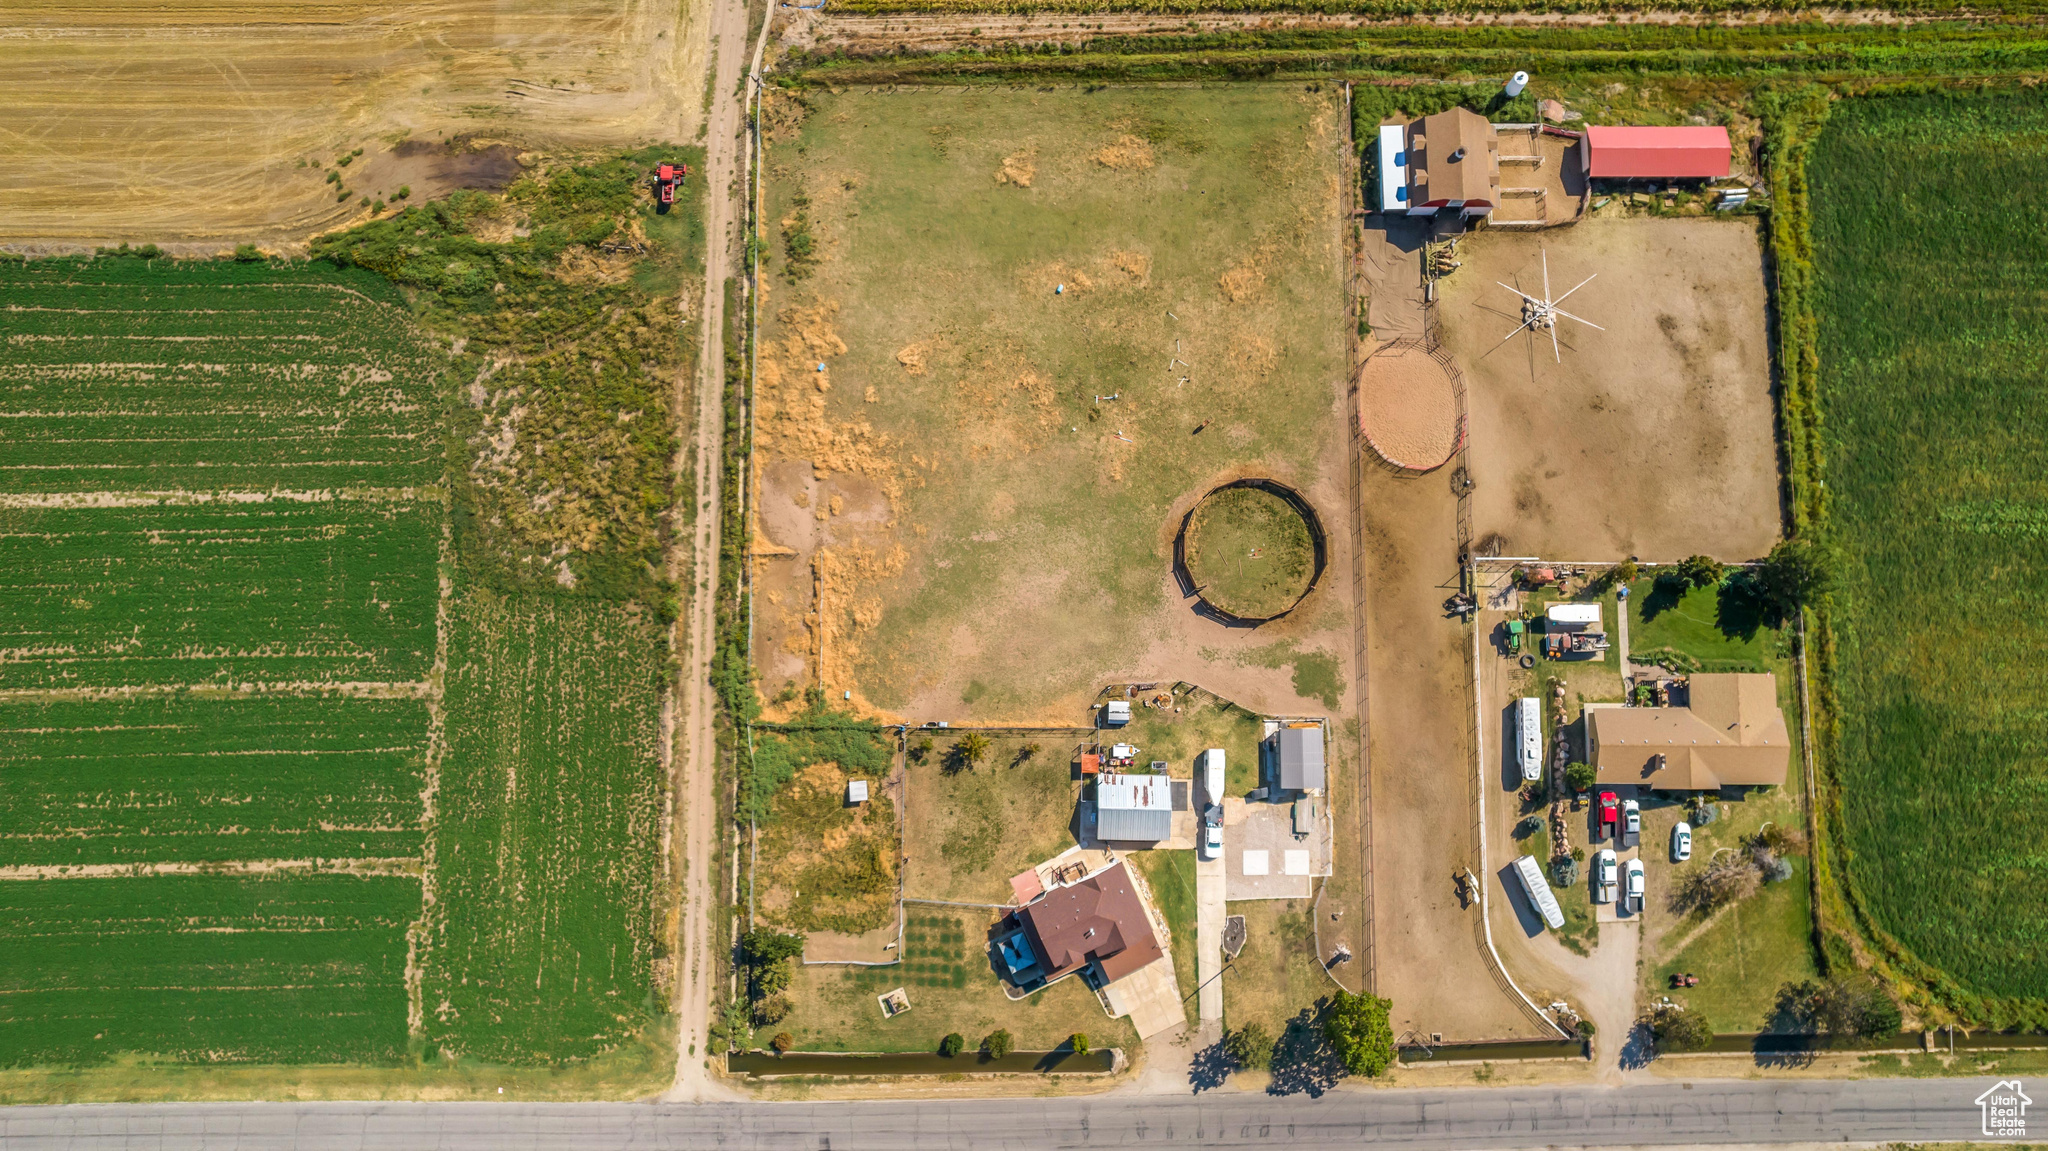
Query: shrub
pixel 247 254
pixel 404 192
pixel 1564 871
pixel 1078 1043
pixel 768 1012
pixel 998 1044
pixel 1580 776
pixel 1250 1047
pixel 761 946
pixel 1358 1030
pixel 972 748
pixel 1584 1028
pixel 782 1042
pixel 1701 571
pixel 1681 1029
pixel 952 1045
pixel 1704 814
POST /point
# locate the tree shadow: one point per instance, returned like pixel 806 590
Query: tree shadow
pixel 1664 595
pixel 955 760
pixel 1304 1063
pixel 1740 607
pixel 1210 1068
pixel 1638 1048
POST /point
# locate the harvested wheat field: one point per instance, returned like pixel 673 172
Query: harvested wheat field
pixel 1408 406
pixel 221 123
pixel 1008 340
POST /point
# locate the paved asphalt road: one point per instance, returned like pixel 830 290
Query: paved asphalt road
pixel 1667 1114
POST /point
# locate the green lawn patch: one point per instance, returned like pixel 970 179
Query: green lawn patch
pixel 1742 959
pixel 1249 552
pixel 1711 629
pixel 970 830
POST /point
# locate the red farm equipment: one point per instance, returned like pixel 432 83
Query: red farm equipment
pixel 667 178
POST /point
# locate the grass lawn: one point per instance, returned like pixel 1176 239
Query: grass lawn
pixel 1581 932
pixel 1742 958
pixel 969 831
pixel 1705 629
pixel 972 268
pixel 946 974
pixel 1177 739
pixel 1276 976
pixel 1171 876
pixel 1249 552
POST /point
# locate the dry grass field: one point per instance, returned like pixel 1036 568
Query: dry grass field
pixel 955 277
pixel 207 123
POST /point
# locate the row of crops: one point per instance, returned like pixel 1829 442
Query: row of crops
pixel 218 596
pixel 1932 277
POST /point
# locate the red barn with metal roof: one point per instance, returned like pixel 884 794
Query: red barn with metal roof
pixel 1685 153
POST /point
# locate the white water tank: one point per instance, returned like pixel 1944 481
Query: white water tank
pixel 1516 83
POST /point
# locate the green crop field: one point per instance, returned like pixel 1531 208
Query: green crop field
pixel 280 969
pixel 547 837
pixel 1931 366
pixel 197 778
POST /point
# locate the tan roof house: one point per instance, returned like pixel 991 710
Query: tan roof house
pixel 1730 734
pixel 1453 161
pixel 1097 926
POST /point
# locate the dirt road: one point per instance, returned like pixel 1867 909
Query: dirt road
pixel 693 745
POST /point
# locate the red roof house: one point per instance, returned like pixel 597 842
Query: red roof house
pixel 1686 153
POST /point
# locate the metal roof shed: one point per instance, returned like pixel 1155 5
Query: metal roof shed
pixel 1133 808
pixel 1680 153
pixel 1301 758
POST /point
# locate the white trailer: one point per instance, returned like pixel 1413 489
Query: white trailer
pixel 1539 891
pixel 1529 738
pixel 1212 775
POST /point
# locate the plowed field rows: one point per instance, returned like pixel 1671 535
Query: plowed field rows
pixel 212 476
pixel 543 936
pixel 217 593
pixel 180 778
pixel 134 375
pixel 298 969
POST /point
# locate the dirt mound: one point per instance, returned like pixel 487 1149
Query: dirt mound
pixel 1018 168
pixel 1408 406
pixel 1128 154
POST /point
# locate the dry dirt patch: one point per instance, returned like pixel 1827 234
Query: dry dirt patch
pixel 1652 438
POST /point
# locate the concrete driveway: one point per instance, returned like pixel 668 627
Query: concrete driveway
pixel 1150 996
pixel 1209 914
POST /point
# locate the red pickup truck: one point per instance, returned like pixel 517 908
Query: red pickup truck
pixel 1610 813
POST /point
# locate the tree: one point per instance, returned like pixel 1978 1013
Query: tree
pixel 973 748
pixel 1359 1032
pixel 761 946
pixel 952 1045
pixel 782 1042
pixel 1078 1043
pixel 1250 1047
pixel 1624 572
pixel 1850 1006
pixel 998 1044
pixel 1702 571
pixel 1797 571
pixel 1718 883
pixel 1681 1029
pixel 247 253
pixel 1580 776
pixel 768 1012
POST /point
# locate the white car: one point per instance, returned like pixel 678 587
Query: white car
pixel 1632 886
pixel 1631 819
pixel 1212 837
pixel 1681 842
pixel 1603 875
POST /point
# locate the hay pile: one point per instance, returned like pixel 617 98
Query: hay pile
pixel 1408 407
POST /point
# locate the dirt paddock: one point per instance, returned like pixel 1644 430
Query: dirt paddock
pixel 1652 438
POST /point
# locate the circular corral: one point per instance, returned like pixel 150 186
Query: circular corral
pixel 1251 550
pixel 1411 408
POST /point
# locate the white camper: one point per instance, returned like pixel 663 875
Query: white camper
pixel 1539 891
pixel 1212 775
pixel 1529 738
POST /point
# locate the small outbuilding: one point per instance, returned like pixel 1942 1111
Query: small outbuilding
pixel 1668 153
pixel 857 791
pixel 1133 808
pixel 1116 713
pixel 1298 751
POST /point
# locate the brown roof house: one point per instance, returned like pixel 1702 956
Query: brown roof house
pixel 1453 161
pixel 1729 734
pixel 1098 927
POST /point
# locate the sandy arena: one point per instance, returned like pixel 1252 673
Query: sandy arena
pixel 1652 438
pixel 1408 407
